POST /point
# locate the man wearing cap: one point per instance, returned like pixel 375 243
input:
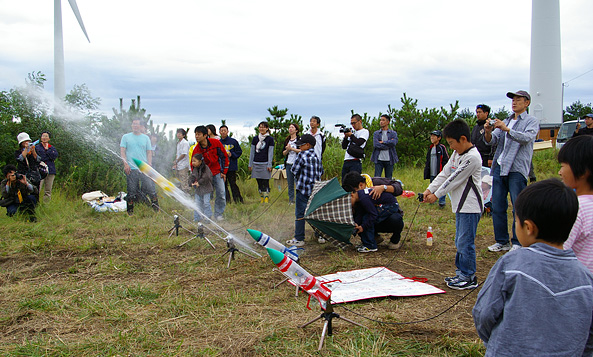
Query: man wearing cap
pixel 384 155
pixel 436 158
pixel 588 129
pixel 307 170
pixel 514 138
pixel 136 145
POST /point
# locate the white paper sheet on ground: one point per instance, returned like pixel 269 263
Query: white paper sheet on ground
pixel 374 283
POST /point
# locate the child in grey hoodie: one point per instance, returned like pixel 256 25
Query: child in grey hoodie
pixel 538 300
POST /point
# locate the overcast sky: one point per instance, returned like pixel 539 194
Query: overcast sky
pixel 197 62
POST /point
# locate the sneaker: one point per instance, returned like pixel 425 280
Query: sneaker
pixel 321 240
pixel 364 249
pixel 219 218
pixel 451 279
pixel 394 246
pixel 497 247
pixel 296 243
pixel 460 284
pixel 515 247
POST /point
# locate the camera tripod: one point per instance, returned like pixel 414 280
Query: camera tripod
pixel 328 315
pixel 198 234
pixel 176 226
pixel 231 251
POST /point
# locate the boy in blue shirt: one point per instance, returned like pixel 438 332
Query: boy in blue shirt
pixel 461 178
pixel 538 300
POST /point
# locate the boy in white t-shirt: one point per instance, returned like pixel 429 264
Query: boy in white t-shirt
pixel 461 178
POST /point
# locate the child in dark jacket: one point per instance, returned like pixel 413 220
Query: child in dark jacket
pixel 436 158
pixel 201 180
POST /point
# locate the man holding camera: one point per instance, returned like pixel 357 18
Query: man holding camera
pixel 354 143
pixel 482 113
pixel 510 166
pixel 588 129
pixel 18 195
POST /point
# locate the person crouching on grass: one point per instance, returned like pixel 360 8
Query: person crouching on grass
pixel 461 177
pixel 538 300
pixel 18 194
pixel 369 211
pixel 307 170
pixel 201 180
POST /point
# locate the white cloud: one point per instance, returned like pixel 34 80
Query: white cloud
pixel 196 60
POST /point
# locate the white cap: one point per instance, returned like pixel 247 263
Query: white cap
pixel 23 137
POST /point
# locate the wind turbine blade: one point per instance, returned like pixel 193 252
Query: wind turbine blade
pixel 78 17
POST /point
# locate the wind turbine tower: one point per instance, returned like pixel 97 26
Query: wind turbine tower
pixel 545 77
pixel 59 76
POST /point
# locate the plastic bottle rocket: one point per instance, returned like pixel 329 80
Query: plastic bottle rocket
pixel 269 242
pixel 154 175
pixel 429 237
pixel 301 277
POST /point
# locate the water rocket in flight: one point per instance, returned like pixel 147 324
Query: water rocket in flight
pixel 155 176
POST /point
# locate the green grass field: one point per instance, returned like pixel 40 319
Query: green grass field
pixel 81 283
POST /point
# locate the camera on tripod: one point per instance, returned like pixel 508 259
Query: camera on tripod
pixel 343 128
pixel 420 197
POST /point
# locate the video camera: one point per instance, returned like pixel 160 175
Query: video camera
pixel 420 197
pixel 343 128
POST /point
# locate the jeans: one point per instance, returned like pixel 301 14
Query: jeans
pixel 442 198
pixel 231 180
pixel 134 180
pixel 514 183
pixel 290 179
pixel 220 201
pixel 299 213
pixel 393 224
pixel 383 165
pixel 27 206
pixel 368 234
pixel 203 203
pixel 466 225
pixel 351 165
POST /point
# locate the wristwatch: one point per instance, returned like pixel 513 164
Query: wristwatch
pixel 385 187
